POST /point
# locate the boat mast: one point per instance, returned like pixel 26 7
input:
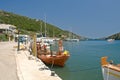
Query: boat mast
pixel 45 25
pixel 41 28
pixel 53 33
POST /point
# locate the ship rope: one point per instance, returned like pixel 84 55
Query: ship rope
pixel 52 63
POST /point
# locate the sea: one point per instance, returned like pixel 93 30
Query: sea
pixel 85 60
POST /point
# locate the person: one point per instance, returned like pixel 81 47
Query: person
pixel 111 61
pixel 38 48
pixel 30 47
pixel 51 50
pixel 60 45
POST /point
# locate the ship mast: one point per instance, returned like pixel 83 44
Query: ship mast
pixel 45 25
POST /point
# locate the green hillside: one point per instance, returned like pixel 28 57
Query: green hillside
pixel 28 25
pixel 114 36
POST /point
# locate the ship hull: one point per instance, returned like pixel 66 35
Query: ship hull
pixel 109 74
pixel 58 60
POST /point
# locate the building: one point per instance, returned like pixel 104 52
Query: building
pixel 8 29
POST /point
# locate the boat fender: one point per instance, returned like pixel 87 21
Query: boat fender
pixel 52 73
pixel 65 52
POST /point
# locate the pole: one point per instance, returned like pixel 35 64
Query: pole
pixel 34 46
pixel 18 42
pixel 45 25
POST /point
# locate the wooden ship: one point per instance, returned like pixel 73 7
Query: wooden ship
pixel 49 57
pixel 110 70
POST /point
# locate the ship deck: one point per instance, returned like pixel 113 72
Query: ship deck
pixel 113 67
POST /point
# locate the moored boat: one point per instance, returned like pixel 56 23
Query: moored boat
pixel 49 57
pixel 72 40
pixel 57 60
pixel 110 40
pixel 110 71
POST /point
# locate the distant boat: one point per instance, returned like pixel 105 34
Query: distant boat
pixel 72 40
pixel 110 40
pixel 110 71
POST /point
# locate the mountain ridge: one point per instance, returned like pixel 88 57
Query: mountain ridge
pixel 26 25
pixel 114 36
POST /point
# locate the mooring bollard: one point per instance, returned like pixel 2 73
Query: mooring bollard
pixel 52 73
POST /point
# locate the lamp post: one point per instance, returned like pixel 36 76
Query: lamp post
pixel 18 41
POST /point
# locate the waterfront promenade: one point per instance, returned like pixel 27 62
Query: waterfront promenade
pixel 8 68
pixel 16 65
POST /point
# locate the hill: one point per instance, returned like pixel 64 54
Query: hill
pixel 114 36
pixel 28 25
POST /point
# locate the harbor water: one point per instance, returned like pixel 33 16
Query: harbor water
pixel 84 62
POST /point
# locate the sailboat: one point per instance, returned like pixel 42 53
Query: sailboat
pixel 110 71
pixel 43 37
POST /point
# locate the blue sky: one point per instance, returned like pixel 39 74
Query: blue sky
pixel 90 18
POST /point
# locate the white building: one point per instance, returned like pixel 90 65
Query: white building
pixel 8 29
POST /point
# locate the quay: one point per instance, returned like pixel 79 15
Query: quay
pixel 20 65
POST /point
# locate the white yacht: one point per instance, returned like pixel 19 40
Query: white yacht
pixel 72 40
pixel 110 40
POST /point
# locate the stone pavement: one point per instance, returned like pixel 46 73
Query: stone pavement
pixel 8 70
pixel 32 69
pixel 15 65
